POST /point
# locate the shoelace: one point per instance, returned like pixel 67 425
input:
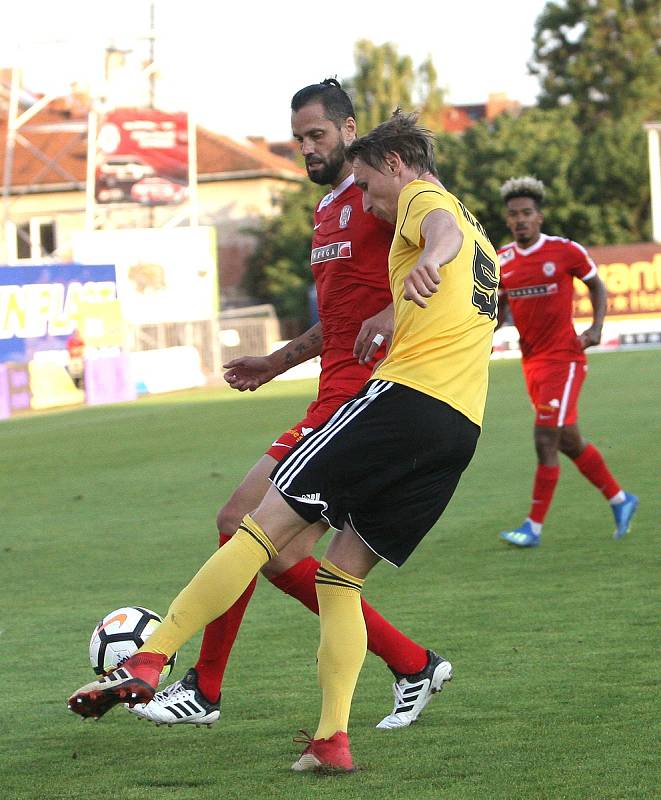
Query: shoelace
pixel 306 739
pixel 170 692
pixel 400 700
pixel 398 691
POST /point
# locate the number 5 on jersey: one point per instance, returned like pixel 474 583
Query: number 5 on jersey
pixel 485 294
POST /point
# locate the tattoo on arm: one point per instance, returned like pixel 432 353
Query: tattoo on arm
pixel 300 350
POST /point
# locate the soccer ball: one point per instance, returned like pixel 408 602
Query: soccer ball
pixel 119 634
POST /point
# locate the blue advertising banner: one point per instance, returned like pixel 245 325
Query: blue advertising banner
pixel 39 304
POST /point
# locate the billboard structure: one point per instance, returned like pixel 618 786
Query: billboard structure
pixel 41 306
pixel 164 275
pixel 166 284
pixel 632 274
pixel 142 157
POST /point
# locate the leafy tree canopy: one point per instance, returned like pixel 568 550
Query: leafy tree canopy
pixel 601 56
pixel 385 80
pixel 597 190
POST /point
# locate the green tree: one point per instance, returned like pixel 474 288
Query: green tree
pixel 610 175
pixel 596 184
pixel 385 80
pixel 279 269
pixel 600 56
pixel 538 143
pixel 430 96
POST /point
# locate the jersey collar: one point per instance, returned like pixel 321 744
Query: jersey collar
pixel 533 247
pixel 346 183
pixel 336 192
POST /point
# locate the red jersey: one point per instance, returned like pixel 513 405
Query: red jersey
pixel 75 345
pixel 539 284
pixel 349 262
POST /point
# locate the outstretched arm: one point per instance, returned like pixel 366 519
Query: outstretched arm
pixel 251 372
pixel 443 240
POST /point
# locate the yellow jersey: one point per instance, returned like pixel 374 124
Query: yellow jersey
pixel 443 350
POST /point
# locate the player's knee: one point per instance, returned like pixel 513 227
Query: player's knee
pixel 272 569
pixel 547 441
pixel 284 561
pixel 572 445
pixel 229 518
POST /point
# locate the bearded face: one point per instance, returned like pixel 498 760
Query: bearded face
pixel 324 169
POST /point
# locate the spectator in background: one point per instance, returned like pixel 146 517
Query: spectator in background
pixel 76 366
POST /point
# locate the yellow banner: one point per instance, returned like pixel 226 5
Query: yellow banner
pixel 634 288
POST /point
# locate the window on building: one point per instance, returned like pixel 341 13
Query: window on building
pixel 23 249
pixel 36 238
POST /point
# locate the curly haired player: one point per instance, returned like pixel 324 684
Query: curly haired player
pixel 536 281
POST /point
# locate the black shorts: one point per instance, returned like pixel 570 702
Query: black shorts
pixel 387 463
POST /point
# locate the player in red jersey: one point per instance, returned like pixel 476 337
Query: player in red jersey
pixel 536 281
pixel 349 262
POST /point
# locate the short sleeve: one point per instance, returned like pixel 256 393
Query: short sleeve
pixel 581 265
pixel 419 203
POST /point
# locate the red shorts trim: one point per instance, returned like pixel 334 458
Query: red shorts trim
pixel 318 413
pixel 554 389
pixel 284 443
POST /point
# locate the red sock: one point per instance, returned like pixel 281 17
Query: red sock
pixel 591 464
pixel 146 666
pixel 546 479
pixel 385 641
pixel 218 641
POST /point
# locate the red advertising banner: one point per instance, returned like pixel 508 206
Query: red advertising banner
pixel 142 157
pixel 632 274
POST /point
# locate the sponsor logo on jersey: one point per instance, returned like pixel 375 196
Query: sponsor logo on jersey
pixel 548 268
pixel 533 291
pixel 345 216
pixel 330 251
pixel 555 403
pixel 508 255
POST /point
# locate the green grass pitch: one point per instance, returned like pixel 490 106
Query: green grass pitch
pixel 554 690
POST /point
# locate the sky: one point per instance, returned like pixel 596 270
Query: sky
pixel 235 65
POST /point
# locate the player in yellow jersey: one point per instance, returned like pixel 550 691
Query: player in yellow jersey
pixel 382 469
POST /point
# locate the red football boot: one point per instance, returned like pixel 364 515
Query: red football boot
pixel 332 754
pixel 135 681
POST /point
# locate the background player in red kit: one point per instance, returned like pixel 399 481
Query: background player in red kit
pixel 349 262
pixel 536 279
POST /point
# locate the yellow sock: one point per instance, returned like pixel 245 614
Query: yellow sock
pixel 216 587
pixel 342 647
